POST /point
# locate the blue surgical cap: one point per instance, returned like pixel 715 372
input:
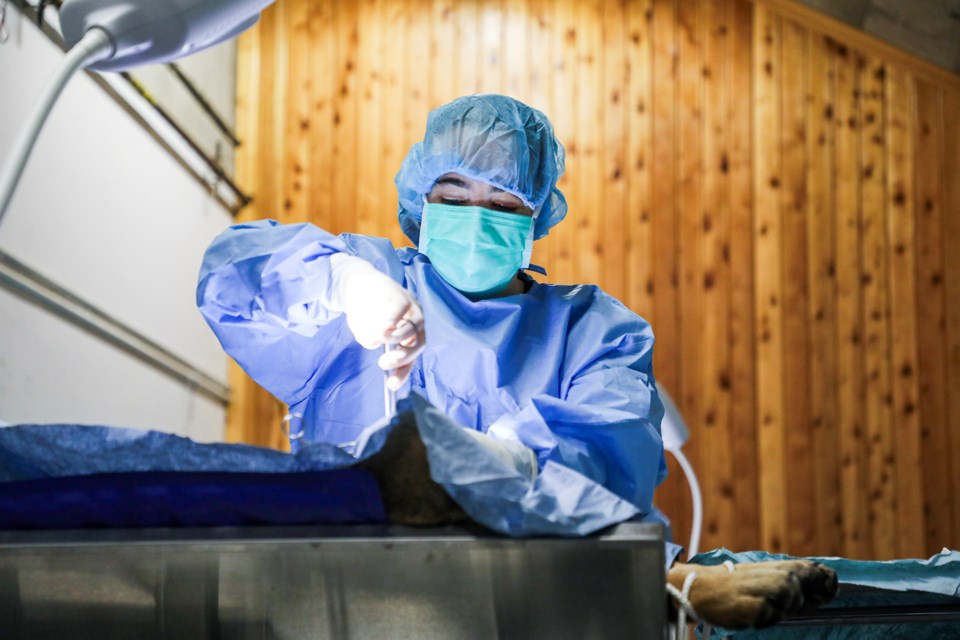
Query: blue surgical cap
pixel 492 138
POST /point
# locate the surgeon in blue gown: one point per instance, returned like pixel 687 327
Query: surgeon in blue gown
pixel 555 380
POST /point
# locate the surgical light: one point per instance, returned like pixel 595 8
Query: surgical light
pixel 113 35
pixel 151 31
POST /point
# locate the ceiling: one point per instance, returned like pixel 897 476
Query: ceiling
pixel 929 29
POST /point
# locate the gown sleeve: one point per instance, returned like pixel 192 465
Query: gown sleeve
pixel 264 289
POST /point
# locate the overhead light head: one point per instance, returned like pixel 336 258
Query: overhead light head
pixel 153 31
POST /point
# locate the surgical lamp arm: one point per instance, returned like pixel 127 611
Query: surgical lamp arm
pixel 113 35
pixel 95 45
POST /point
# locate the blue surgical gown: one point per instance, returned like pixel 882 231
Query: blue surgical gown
pixel 566 370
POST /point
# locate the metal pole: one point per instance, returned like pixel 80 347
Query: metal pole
pixel 205 104
pixel 30 285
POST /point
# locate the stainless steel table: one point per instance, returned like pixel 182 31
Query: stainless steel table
pixel 370 582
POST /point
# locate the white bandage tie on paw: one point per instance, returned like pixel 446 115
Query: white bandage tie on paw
pixel 685 608
pixel 683 604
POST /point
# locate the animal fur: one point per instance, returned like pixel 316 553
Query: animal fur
pixel 756 594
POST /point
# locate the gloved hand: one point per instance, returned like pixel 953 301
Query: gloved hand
pixel 379 311
pixel 512 453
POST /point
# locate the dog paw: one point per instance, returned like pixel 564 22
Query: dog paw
pixel 818 583
pixel 757 594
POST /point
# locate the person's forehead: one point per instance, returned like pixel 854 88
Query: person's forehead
pixel 459 180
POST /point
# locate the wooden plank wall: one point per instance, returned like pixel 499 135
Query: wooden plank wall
pixel 778 194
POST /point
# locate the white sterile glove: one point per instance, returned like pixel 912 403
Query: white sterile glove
pixel 379 311
pixel 512 453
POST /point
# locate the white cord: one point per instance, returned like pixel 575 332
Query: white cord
pixel 389 395
pixel 683 605
pixel 697 502
pixel 286 425
pixel 94 46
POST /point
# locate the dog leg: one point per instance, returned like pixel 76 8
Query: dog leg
pixel 402 473
pixel 755 594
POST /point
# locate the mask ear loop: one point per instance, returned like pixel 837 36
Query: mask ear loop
pixel 528 247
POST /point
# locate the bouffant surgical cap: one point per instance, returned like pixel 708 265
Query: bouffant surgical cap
pixel 491 138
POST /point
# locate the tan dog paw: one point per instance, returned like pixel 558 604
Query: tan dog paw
pixel 756 594
pixel 818 582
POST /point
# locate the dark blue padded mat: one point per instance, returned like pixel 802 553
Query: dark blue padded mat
pixel 191 499
pixel 79 476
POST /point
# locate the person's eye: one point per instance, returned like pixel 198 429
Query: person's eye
pixel 453 201
pixel 506 207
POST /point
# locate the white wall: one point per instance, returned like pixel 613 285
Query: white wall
pixel 212 72
pixel 104 211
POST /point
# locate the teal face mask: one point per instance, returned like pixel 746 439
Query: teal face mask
pixel 476 250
